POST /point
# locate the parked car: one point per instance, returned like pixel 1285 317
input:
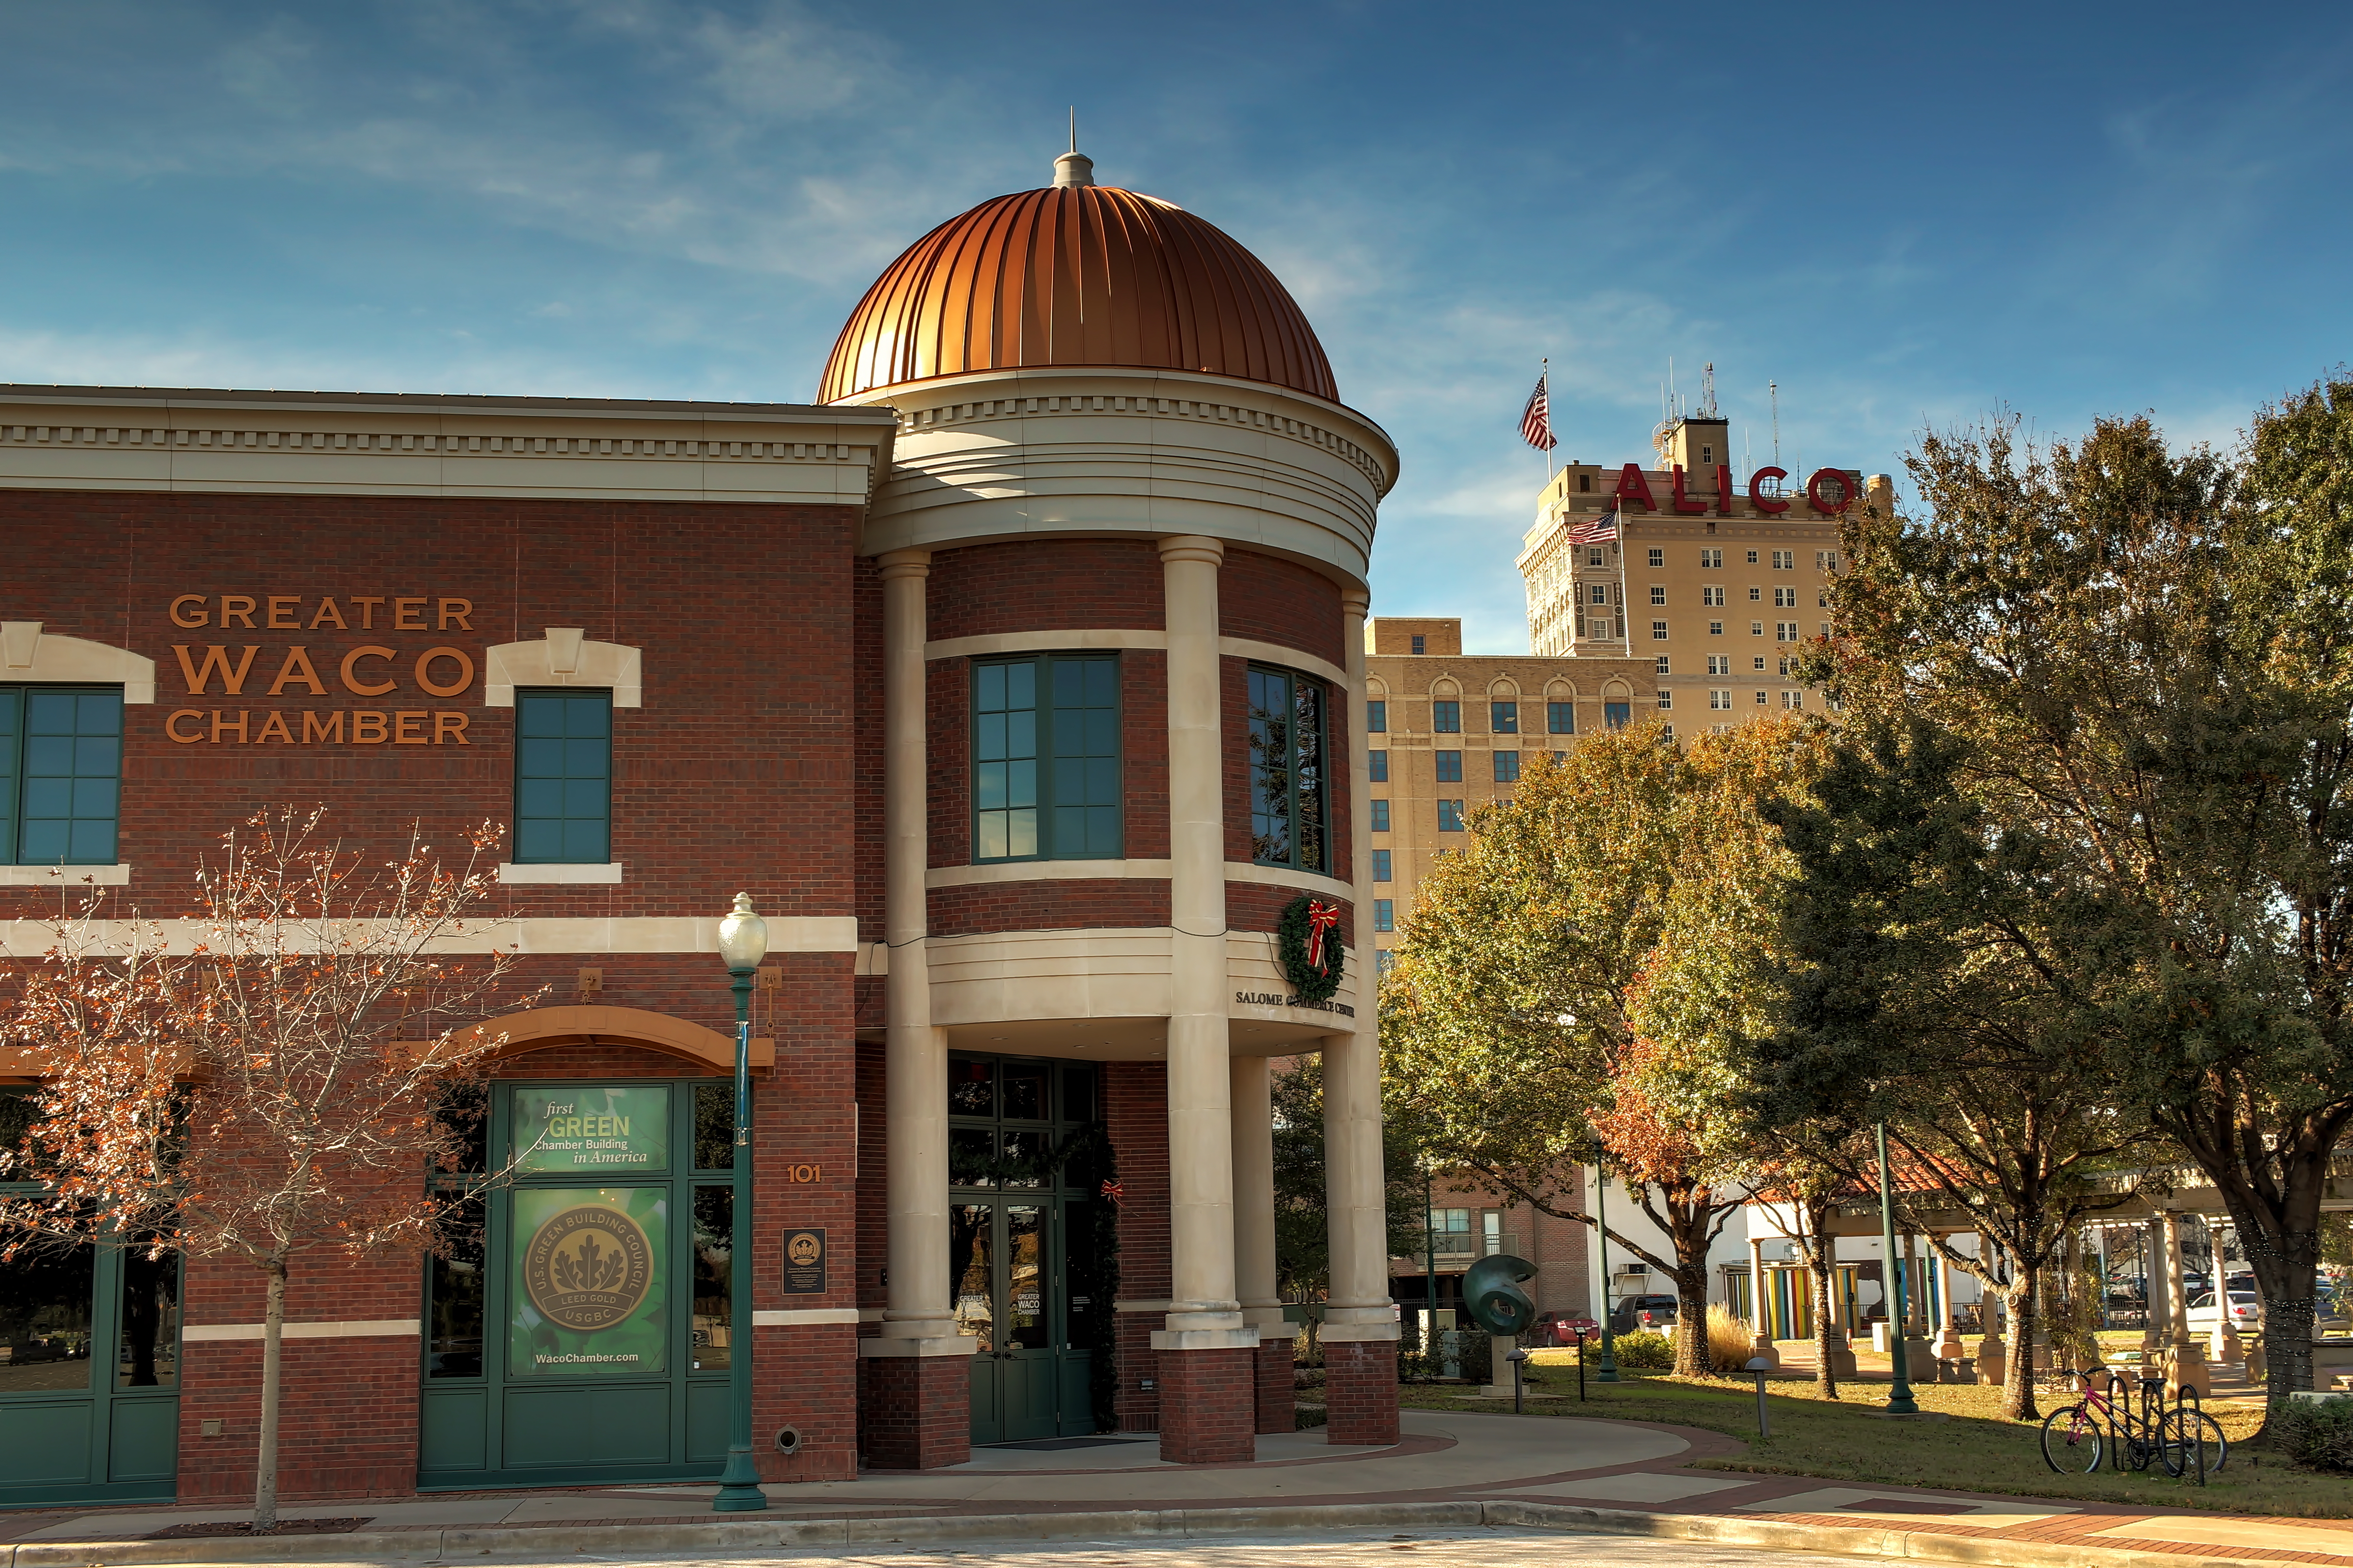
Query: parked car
pixel 2246 1311
pixel 1553 1328
pixel 1636 1312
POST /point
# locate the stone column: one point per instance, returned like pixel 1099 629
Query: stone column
pixel 2185 1358
pixel 1254 1276
pixel 1947 1342
pixel 1760 1315
pixel 2155 1290
pixel 1206 1357
pixel 1360 1327
pixel 919 1369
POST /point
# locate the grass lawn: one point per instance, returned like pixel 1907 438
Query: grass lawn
pixel 1976 1450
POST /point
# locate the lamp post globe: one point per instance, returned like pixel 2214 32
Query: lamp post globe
pixel 742 943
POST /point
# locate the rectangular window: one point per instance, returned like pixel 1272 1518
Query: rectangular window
pixel 1826 560
pixel 1507 768
pixel 1662 664
pixel 1785 599
pixel 1380 816
pixel 1450 816
pixel 1560 718
pixel 1286 759
pixel 1715 629
pixel 1377 718
pixel 1387 957
pixel 1710 560
pixel 1764 699
pixel 1503 719
pixel 1657 556
pixel 1658 593
pixel 1667 730
pixel 1446 717
pixel 1381 866
pixel 1756 628
pixel 60 774
pixel 1711 595
pixel 1784 631
pixel 1822 599
pixel 1593 556
pixel 1421 643
pixel 1666 698
pixel 1658 631
pixel 1752 558
pixel 1376 765
pixel 1793 699
pixel 1719 664
pixel 1046 767
pixel 564 778
pixel 1617 716
pixel 1449 766
pixel 1598 592
pixel 1755 595
pixel 1785 560
pixel 1719 699
pixel 1384 914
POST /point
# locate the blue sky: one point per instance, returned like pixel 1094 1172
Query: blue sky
pixel 1904 214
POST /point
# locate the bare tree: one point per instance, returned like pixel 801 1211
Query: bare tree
pixel 249 1083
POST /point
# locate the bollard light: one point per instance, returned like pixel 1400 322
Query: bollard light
pixel 1760 1365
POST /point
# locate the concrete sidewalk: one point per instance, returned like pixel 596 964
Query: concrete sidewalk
pixel 1451 1470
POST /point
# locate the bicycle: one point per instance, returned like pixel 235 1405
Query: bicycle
pixel 2180 1437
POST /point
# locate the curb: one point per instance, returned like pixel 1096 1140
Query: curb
pixel 457 1545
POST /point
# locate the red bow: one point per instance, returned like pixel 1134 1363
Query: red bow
pixel 1321 917
pixel 1114 1192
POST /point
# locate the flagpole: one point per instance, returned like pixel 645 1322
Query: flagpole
pixel 1544 376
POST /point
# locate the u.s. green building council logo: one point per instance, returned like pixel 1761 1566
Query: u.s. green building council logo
pixel 588 1268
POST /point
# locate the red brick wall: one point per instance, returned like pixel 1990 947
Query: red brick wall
pixel 1268 600
pixel 725 600
pixel 1278 1401
pixel 1032 585
pixel 866 746
pixel 916 1411
pixel 1089 903
pixel 1255 907
pixel 1360 1391
pixel 1136 1112
pixel 1210 1409
pixel 873 1177
pixel 948 750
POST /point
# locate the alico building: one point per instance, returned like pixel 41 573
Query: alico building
pixel 1018 679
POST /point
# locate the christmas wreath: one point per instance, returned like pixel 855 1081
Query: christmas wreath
pixel 1308 946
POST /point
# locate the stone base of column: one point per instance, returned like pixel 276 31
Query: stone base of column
pixel 1278 1389
pixel 914 1412
pixel 1761 1347
pixel 1209 1406
pixel 1360 1393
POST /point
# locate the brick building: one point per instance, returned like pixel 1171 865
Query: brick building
pixel 1019 681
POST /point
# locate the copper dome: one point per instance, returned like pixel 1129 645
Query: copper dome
pixel 1073 275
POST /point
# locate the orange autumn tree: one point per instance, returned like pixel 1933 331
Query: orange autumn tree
pixel 1584 966
pixel 268 1080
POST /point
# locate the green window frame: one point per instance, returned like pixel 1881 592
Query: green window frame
pixel 1381 866
pixel 1045 765
pixel 1560 718
pixel 60 774
pixel 1380 816
pixel 1384 914
pixel 564 778
pixel 1290 805
pixel 1507 768
pixel 1503 719
pixel 1449 766
pixel 1377 718
pixel 1446 716
pixel 1378 764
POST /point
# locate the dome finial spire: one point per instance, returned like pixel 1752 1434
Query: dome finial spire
pixel 1074 167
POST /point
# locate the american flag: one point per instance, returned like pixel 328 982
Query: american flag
pixel 1602 530
pixel 1536 419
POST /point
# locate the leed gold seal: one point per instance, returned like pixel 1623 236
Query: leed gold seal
pixel 588 1268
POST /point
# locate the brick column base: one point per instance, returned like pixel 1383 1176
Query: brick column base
pixel 1209 1406
pixel 1278 1403
pixel 1360 1392
pixel 915 1412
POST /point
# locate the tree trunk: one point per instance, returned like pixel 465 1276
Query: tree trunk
pixel 1692 1357
pixel 1825 1379
pixel 2018 1381
pixel 273 1335
pixel 2285 1256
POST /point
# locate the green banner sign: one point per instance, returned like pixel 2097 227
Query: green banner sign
pixel 591 1282
pixel 604 1129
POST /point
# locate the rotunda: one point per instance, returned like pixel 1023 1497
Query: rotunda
pixel 1118 568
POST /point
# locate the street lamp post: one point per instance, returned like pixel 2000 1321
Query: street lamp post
pixel 1608 1370
pixel 742 943
pixel 1899 1386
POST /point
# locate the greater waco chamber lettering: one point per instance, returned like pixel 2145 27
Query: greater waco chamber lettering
pixel 321 669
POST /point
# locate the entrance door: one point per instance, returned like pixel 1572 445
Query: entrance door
pixel 1017 1194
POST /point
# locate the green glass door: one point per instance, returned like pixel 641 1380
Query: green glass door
pixel 89 1366
pixel 1014 1197
pixel 585 1339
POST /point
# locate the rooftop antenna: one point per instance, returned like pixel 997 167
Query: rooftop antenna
pixel 1708 391
pixel 1674 404
pixel 1773 390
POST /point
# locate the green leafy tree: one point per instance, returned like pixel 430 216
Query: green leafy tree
pixel 2141 658
pixel 1573 983
pixel 1302 1244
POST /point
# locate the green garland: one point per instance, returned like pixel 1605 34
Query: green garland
pixel 1290 951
